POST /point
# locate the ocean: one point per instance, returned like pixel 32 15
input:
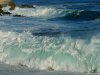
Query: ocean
pixel 50 39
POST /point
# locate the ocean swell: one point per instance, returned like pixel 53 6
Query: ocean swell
pixel 81 15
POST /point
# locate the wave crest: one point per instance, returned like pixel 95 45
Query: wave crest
pixel 51 12
pixel 56 53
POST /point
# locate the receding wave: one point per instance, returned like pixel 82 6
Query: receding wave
pixel 50 12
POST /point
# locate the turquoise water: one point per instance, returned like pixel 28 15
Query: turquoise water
pixel 58 37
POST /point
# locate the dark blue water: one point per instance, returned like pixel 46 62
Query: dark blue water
pixel 55 36
pixel 54 1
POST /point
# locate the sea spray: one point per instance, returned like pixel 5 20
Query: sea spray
pixel 43 52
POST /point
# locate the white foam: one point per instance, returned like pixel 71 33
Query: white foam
pixel 9 70
pixel 39 12
pixel 50 53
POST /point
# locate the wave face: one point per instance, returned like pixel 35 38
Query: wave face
pixel 58 13
pixel 50 53
pixel 82 15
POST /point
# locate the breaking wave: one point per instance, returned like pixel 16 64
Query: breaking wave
pixel 51 12
pixel 50 53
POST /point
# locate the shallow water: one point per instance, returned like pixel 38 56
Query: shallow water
pixel 13 70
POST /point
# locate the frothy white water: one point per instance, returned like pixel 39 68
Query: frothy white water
pixel 47 12
pixel 50 53
pixel 15 70
pixel 39 12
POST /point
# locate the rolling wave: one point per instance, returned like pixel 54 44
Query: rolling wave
pixel 50 12
pixel 81 15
